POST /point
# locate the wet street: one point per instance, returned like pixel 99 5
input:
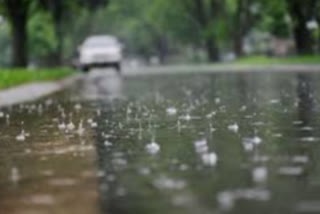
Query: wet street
pixel 191 143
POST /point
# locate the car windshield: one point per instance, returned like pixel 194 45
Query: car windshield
pixel 98 42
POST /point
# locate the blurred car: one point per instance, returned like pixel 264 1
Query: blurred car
pixel 100 51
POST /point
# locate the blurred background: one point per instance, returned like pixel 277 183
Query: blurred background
pixel 47 33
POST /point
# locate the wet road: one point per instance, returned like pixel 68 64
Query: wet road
pixel 194 143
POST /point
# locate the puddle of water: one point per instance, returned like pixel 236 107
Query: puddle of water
pixel 235 143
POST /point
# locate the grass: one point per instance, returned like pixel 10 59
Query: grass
pixel 14 77
pixel 263 60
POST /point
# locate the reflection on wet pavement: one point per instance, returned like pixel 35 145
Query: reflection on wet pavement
pixel 195 143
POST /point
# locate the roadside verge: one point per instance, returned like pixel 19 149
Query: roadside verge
pixel 33 91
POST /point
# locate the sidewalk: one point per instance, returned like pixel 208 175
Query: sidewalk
pixel 33 91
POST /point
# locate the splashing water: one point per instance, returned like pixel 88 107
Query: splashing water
pixel 70 126
pixel 260 174
pixel 22 136
pixel 164 182
pixel 233 127
pixel 107 143
pixel 14 175
pixel 201 146
pixel 153 148
pixel 62 126
pixel 209 159
pixel 171 111
pixel 80 130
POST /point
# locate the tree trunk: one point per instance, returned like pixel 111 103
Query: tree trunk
pixel 56 8
pixel 318 21
pixel 303 38
pixel 18 16
pixel 241 20
pixel 58 55
pixel 162 47
pixel 238 45
pixel 212 50
pixel 20 42
pixel 205 20
pixel 301 13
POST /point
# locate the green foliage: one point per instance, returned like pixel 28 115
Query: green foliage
pixel 13 77
pixel 47 21
pixel 138 23
pixel 274 17
pixel 147 28
pixel 42 40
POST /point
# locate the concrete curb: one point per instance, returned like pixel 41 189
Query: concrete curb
pixel 33 91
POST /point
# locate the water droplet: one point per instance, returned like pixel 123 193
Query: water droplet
pixel 41 199
pixel 77 107
pixel 171 111
pixel 70 126
pixel 211 114
pixel 107 143
pixel 201 146
pixel 62 126
pixel 309 139
pixel 14 175
pixel 186 117
pixel 209 159
pixel 307 128
pixel 62 182
pixel 233 127
pixel 21 137
pixel 290 170
pixel 226 200
pixel 260 174
pixel 80 129
pixel 274 101
pixel 94 125
pixel 153 148
pixel 256 140
pixel 144 171
pixel 183 167
pixel 300 159
pixel 164 182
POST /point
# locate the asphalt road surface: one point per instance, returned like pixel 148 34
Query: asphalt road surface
pixel 229 142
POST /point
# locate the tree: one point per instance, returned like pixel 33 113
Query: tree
pixel 206 13
pixel 42 40
pixel 242 17
pixel 301 13
pixel 62 12
pixel 17 12
pixel 317 18
pixel 145 27
pixel 4 43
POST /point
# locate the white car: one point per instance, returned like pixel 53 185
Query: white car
pixel 98 51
